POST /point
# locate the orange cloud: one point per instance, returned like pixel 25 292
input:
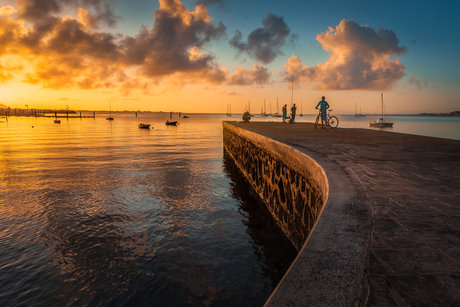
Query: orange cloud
pixel 258 75
pixel 359 58
pixel 173 45
pixel 70 52
pixel 7 68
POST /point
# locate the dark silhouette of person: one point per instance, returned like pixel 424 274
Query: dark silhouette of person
pixel 293 109
pixel 246 117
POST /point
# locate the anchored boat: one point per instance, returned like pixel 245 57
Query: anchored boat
pixel 144 126
pixel 110 116
pixel 380 122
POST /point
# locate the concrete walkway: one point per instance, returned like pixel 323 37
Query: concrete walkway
pixel 413 185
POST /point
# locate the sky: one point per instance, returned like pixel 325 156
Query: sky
pixel 202 55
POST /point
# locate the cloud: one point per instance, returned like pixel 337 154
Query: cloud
pixel 359 58
pixel 264 44
pixel 38 11
pixel 68 51
pixel 259 75
pixel 173 44
pixel 7 10
pixel 8 69
pixel 419 83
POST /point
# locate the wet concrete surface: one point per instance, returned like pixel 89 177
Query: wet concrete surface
pixel 413 186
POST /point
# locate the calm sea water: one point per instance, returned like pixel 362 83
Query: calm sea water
pixel 103 213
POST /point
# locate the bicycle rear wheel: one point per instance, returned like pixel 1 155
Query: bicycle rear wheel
pixel 316 121
pixel 333 122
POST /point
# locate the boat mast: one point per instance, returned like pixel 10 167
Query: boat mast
pixel 292 97
pixel 382 105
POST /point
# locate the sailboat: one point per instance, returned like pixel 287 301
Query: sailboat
pixel 229 110
pixel 380 122
pixel 56 121
pixel 277 108
pixel 264 110
pixel 360 114
pixel 110 108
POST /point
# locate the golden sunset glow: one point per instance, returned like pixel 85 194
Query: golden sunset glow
pixel 55 54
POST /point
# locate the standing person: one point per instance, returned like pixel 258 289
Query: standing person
pixel 323 106
pixel 293 109
pixel 284 109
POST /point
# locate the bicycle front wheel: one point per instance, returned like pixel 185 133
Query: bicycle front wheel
pixel 316 121
pixel 333 122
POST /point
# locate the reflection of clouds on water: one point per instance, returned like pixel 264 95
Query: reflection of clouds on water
pixel 102 213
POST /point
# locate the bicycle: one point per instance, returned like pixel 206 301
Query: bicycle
pixel 331 121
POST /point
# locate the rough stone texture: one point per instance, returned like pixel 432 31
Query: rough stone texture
pixel 412 183
pixel 328 270
pixel 289 192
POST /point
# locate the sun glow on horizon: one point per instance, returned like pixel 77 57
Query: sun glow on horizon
pixel 67 54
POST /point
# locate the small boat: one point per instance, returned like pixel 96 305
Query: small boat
pixel 144 126
pixel 356 112
pixel 380 122
pixel 229 110
pixel 3 119
pixel 57 121
pixel 174 123
pixel 110 116
pixel 277 108
pixel 185 116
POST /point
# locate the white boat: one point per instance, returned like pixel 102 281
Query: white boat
pixel 277 108
pixel 144 126
pixel 380 122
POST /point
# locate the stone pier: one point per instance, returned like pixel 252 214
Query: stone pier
pixel 388 231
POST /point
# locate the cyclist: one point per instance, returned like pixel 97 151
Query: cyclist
pixel 323 109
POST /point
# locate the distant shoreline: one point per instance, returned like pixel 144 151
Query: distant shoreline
pixel 17 111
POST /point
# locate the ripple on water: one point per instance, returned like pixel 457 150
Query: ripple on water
pixel 97 213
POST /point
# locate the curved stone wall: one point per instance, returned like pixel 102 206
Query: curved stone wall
pixel 292 185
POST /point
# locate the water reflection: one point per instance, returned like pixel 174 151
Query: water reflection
pixel 271 246
pixel 97 213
